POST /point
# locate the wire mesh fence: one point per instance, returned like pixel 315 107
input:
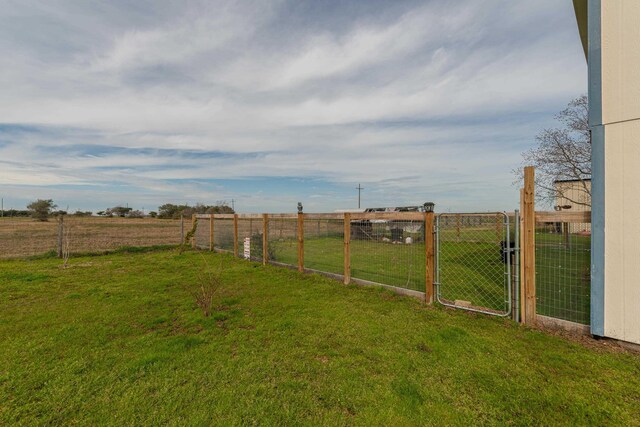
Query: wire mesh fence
pixel 563 274
pixel 202 233
pixel 223 233
pixel 474 266
pixel 388 251
pixel 391 252
pixel 21 237
pixel 324 244
pixel 283 240
pixel 250 242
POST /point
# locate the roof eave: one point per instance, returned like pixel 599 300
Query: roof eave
pixel 581 9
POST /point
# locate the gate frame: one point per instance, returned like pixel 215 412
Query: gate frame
pixel 506 251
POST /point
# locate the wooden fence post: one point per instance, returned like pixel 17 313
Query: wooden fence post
pixel 181 229
pixel 429 257
pixel 193 238
pixel 529 245
pixel 300 242
pixel 211 233
pixel 235 235
pixel 522 279
pixel 60 235
pixel 265 239
pixel 347 248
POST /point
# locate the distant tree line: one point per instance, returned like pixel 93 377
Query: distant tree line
pixel 169 210
pixel 43 209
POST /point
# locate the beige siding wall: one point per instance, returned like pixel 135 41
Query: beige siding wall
pixel 574 195
pixel 622 231
pixel 620 60
pixel 621 118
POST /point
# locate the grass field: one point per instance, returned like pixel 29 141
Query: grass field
pixel 118 340
pixel 20 237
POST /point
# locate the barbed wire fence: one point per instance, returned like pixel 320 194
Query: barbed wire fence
pixel 25 237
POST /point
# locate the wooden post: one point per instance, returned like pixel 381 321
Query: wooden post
pixel 522 252
pixel 265 239
pixel 347 248
pixel 529 245
pixel 235 235
pixel 181 229
pixel 193 238
pixel 429 257
pixel 211 233
pixel 300 242
pixel 60 235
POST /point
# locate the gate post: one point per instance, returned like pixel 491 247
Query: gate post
pixel 429 257
pixel 529 246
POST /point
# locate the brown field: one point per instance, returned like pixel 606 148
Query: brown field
pixel 20 237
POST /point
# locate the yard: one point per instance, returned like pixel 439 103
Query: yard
pixel 118 339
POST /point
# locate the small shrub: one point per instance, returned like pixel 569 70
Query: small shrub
pixel 209 284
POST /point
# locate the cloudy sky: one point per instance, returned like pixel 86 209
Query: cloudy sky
pixel 273 102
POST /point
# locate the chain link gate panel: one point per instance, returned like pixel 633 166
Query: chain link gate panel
pixel 474 262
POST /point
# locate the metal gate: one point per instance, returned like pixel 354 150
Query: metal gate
pixel 477 262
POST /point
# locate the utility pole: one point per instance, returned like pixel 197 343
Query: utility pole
pixel 233 205
pixel 359 188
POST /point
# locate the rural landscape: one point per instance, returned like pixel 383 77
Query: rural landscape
pixel 319 213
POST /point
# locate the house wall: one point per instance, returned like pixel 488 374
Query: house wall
pixel 614 91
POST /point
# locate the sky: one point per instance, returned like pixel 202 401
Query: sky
pixel 268 103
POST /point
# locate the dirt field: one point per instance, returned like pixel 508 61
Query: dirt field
pixel 21 237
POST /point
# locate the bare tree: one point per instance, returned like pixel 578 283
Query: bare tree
pixel 564 153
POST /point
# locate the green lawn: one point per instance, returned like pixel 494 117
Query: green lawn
pixel 118 340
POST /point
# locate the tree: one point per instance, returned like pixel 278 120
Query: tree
pixel 169 210
pixel 41 209
pixel 563 153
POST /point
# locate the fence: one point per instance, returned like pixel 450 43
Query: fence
pixel 555 264
pixel 563 258
pixel 392 249
pixel 22 237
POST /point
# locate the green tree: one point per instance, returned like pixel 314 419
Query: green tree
pixel 41 209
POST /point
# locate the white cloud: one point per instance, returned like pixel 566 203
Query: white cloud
pixel 445 95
